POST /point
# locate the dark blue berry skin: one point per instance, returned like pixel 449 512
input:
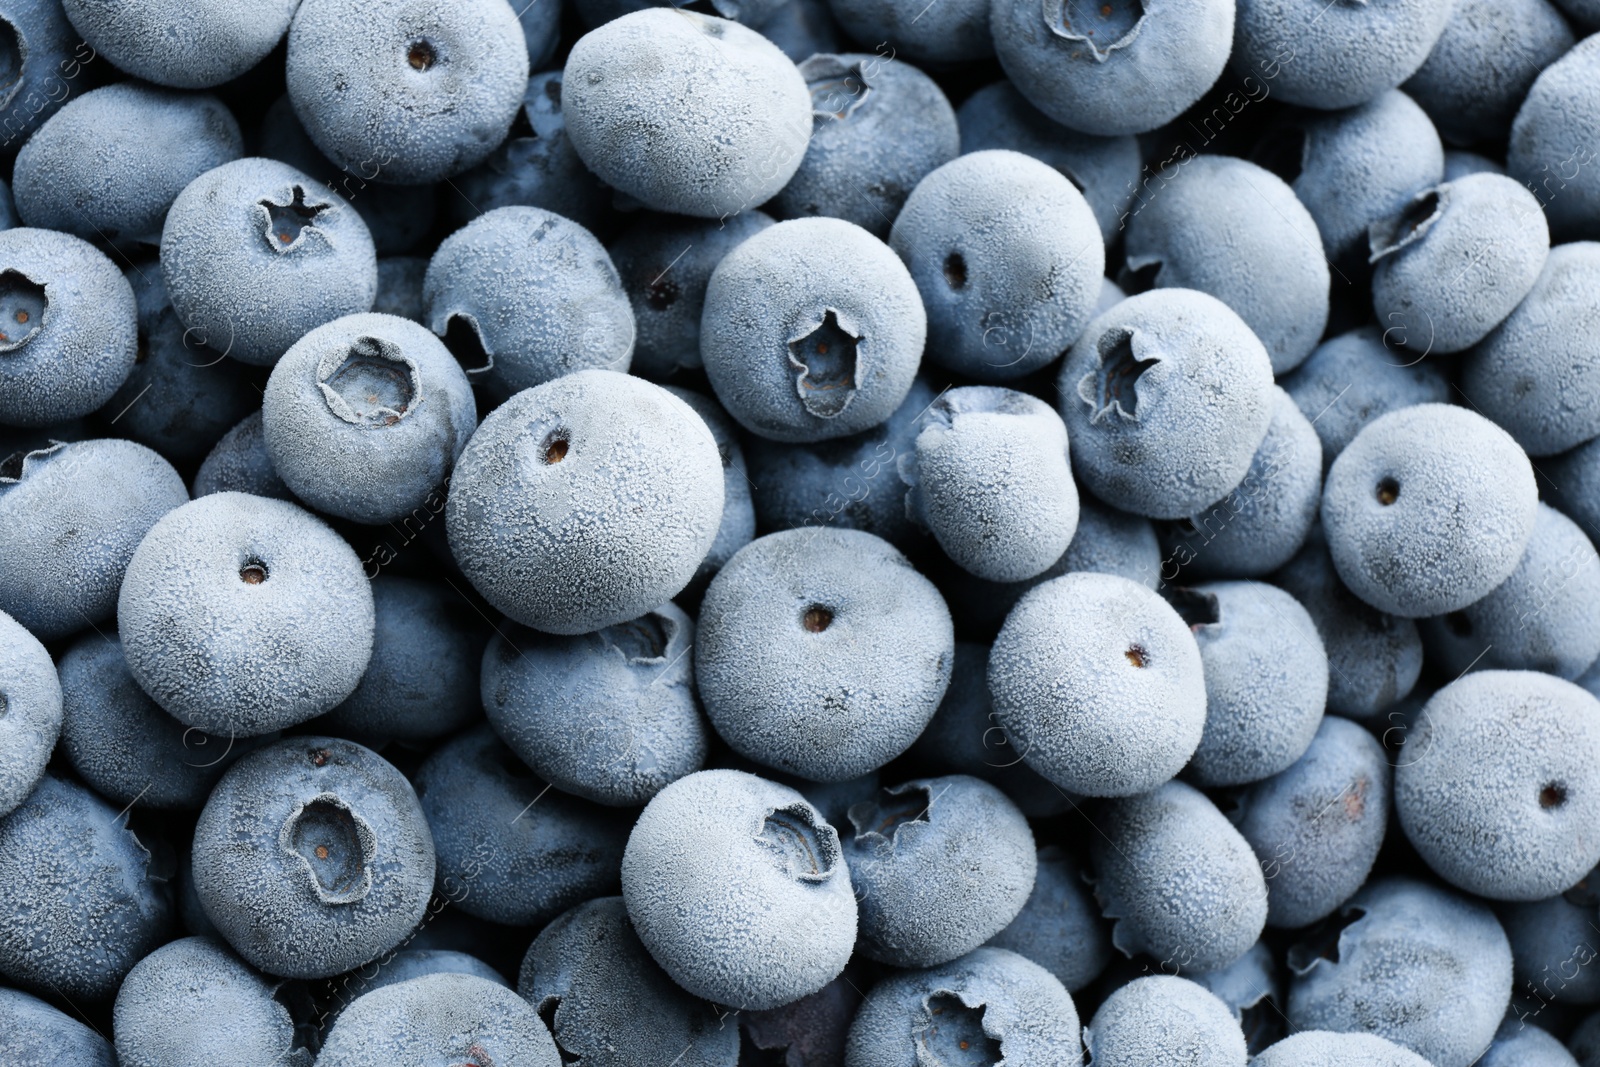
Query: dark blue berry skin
pixel 1060 927
pixel 109 493
pixel 541 30
pixel 68 327
pixel 802 29
pixel 1522 1044
pixel 1554 947
pixel 1251 988
pixel 1104 169
pixel 436 1018
pixel 880 126
pixel 45 55
pixel 239 463
pixel 1164 1018
pixel 147 144
pixel 312 856
pixel 88 899
pixel 938 37
pixel 607 1003
pixel 31 1031
pixel 511 849
pixel 406 964
pixel 184 45
pixel 400 287
pixel 31 712
pixel 813 1030
pixel 1552 138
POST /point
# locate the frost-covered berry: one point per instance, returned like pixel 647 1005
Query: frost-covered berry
pixel 585 502
pixel 187 44
pixel 45 55
pixel 31 1031
pixel 30 712
pixel 1164 1019
pixel 239 463
pixel 1519 1043
pixel 1552 946
pixel 438 1018
pixel 1552 142
pixel 940 36
pixel 1326 1048
pixel 738 508
pixel 1060 927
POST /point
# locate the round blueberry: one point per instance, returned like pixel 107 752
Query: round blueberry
pixel 406 964
pixel 436 1019
pixel 1164 1019
pixel 239 463
pixel 1324 1048
pixel 31 712
pixel 801 29
pixel 1573 484
pixel 1551 142
pixel 940 35
pixel 184 44
pixel 31 1031
pixel 1060 927
pixel 1521 1044
pixel 1553 946
pixel 41 54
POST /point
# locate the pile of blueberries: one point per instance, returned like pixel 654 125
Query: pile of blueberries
pixel 799 533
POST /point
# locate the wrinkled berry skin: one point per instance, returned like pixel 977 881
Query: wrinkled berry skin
pixel 31 1031
pixel 31 712
pixel 403 91
pixel 68 327
pixel 239 463
pixel 182 43
pixel 437 1018
pixel 1164 1019
pixel 312 856
pixel 1552 142
pixel 1324 1048
pixel 255 253
pixel 1060 927
pixel 585 502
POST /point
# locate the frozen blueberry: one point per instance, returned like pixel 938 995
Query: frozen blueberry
pixel 44 55
pixel 585 502
pixel 1574 484
pixel 88 901
pixel 1097 683
pixel 400 287
pixel 411 91
pixel 1538 373
pixel 523 296
pixel 184 45
pixel 1166 398
pixel 71 517
pixel 1059 928
pixel 1266 677
pixel 1551 149
pixel 801 29
pixel 1335 56
pixel 30 712
pixel 1252 990
pixel 1553 946
pixel 541 29
pixel 68 326
pixel 749 12
pixel 738 509
pixel 1323 1048
pixel 255 253
pixel 239 463
pixel 940 35
pixel 31 1031
pixel 1424 967
pixel 989 1006
pixel 665 262
pixel 1104 169
pixel 1355 377
pixel 940 865
pixel 364 416
pixel 1232 229
pixel 192 1002
pixel 1164 1019
pixel 241 615
pixel 686 112
pixel 146 143
pixel 1459 163
pixel 822 652
pixel 991 479
pixel 811 1031
pixel 436 1019
pixel 812 329
pixel 1174 835
pixel 511 850
pixel 422 680
pixel 1505 784
pixel 1317 826
pixel 1428 509
pixel 406 964
pixel 739 889
pixel 1264 521
pixel 608 1004
pixel 1113 68
pixel 536 165
pixel 1008 258
pixel 879 126
pixel 1521 1044
pixel 312 856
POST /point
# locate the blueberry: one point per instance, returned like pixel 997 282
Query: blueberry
pixel 312 856
pixel 1535 374
pixel 406 964
pixel 608 1004
pixel 739 890
pixel 184 45
pixel 400 287
pixel 88 898
pixel 406 92
pixel 1149 843
pixel 609 716
pixel 1421 966
pixel 31 1031
pixel 364 416
pixel 879 126
pixel 1008 258
pixel 541 30
pixel 585 502
pixel 1573 484
pixel 511 850
pixel 1553 946
pixel 31 712
pixel 738 509
pixel 939 36
pixel 989 1006
pixel 665 262
pixel 241 615
pixel 422 680
pixel 1459 163
pixel 239 463
pixel 812 329
pixel 727 144
pixel 1521 1044
pixel 438 1018
pixel 811 1031
pixel 990 478
pixel 68 326
pixel 1059 928
pixel 71 517
pixel 1266 677
pixel 193 1002
pixel 1164 1019
pixel 1428 509
pixel 801 29
pixel 822 652
pixel 1166 398
pixel 1550 149
pixel 1317 826
pixel 749 12
pixel 1252 990
pixel 255 254
pixel 41 54
pixel 1104 169
pixel 1323 1048
pixel 524 296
